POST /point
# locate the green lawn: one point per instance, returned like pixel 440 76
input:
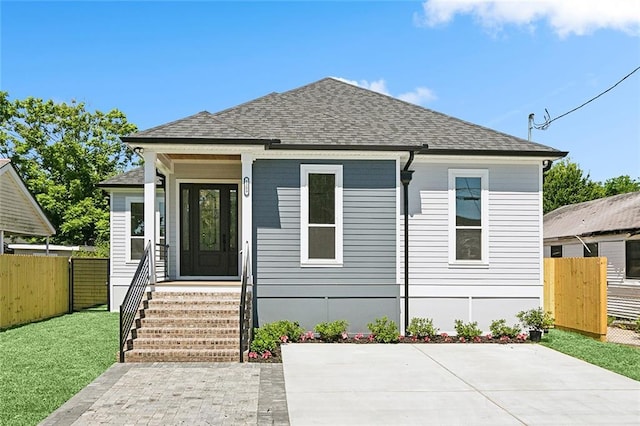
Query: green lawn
pixel 44 364
pixel 621 359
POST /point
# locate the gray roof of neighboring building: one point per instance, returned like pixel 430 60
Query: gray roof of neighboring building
pixel 132 178
pixel 331 114
pixel 619 213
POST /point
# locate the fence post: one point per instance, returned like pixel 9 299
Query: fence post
pixel 70 285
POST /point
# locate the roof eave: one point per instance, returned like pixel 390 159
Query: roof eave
pixel 133 140
pixel 330 147
pixel 496 152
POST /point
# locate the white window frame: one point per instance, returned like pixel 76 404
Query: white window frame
pixel 128 202
pixel 305 170
pixel 483 174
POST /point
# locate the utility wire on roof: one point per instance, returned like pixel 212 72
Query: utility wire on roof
pixel 548 120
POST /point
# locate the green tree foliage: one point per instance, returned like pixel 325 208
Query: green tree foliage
pixel 566 183
pixel 620 185
pixel 63 151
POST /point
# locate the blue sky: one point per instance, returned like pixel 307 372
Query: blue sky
pixel 490 63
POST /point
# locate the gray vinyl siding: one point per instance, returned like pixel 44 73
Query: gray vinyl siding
pixel 365 286
pixel 512 279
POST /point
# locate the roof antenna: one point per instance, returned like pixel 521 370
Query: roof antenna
pixel 542 126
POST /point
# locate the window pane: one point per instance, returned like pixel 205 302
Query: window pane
pixel 556 251
pixel 137 219
pixel 468 202
pixel 137 248
pixel 633 259
pixel 209 219
pixel 322 243
pixel 468 244
pixel 592 250
pixel 184 234
pixel 233 218
pixel 322 196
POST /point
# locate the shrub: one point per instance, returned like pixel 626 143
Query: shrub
pixel 469 330
pixel 638 325
pixel 535 319
pixel 500 328
pixel 422 327
pixel 331 331
pixel 268 337
pixel 384 330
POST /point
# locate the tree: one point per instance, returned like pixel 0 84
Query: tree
pixel 565 183
pixel 63 151
pixel 620 185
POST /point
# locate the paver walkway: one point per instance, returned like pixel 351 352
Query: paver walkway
pixel 180 394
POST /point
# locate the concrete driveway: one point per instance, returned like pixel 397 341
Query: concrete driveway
pixel 452 384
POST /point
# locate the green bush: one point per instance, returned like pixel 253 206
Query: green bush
pixel 331 331
pixel 384 330
pixel 422 327
pixel 638 325
pixel 535 319
pixel 468 330
pixel 268 337
pixel 500 328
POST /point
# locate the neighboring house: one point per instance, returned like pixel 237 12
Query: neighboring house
pixel 47 250
pixel 20 213
pixel 607 227
pixel 311 181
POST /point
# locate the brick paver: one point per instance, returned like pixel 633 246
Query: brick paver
pixel 180 393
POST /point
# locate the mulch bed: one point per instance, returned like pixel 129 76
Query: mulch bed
pixel 276 356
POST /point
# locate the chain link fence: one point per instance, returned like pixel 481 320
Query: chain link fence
pixel 623 332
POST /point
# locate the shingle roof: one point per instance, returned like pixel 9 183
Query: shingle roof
pixel 611 214
pixel 333 114
pixel 131 178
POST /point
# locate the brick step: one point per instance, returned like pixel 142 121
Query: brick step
pixel 182 355
pixel 186 322
pixel 178 295
pixel 191 312
pixel 192 302
pixel 186 343
pixel 187 332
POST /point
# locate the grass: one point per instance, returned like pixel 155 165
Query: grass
pixel 621 359
pixel 44 364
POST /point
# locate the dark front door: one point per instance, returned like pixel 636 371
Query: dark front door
pixel 208 229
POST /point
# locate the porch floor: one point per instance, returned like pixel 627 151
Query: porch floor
pixel 198 283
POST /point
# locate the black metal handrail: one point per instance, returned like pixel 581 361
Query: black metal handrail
pixel 246 329
pixel 131 303
pixel 162 259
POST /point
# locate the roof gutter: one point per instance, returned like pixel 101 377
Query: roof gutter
pixel 405 178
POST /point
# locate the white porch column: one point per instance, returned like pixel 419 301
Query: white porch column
pixel 247 204
pixel 1 241
pixel 150 209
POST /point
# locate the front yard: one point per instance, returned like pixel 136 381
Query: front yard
pixel 46 363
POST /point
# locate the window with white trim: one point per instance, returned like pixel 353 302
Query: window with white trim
pixel 320 215
pixel 135 227
pixel 632 257
pixel 468 216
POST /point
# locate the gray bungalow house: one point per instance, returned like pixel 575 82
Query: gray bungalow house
pixel 308 185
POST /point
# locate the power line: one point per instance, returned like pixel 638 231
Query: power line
pixel 548 120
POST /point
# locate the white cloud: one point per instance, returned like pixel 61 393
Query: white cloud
pixel 419 96
pixel 566 17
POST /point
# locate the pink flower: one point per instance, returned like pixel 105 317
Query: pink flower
pixel 445 335
pixel 477 339
pixel 284 339
pixel 345 336
pixel 358 336
pixel 522 337
pixel 400 337
pixel 462 339
pixel 309 335
pixel 427 339
pixel 371 337
pixel 253 355
pixel 447 339
pixel 489 336
pixel 303 337
pixel 266 355
pixel 414 338
pixel 504 339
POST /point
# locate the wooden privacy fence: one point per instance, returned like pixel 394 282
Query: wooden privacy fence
pixel 89 282
pixel 32 288
pixel 575 292
pixel 38 287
